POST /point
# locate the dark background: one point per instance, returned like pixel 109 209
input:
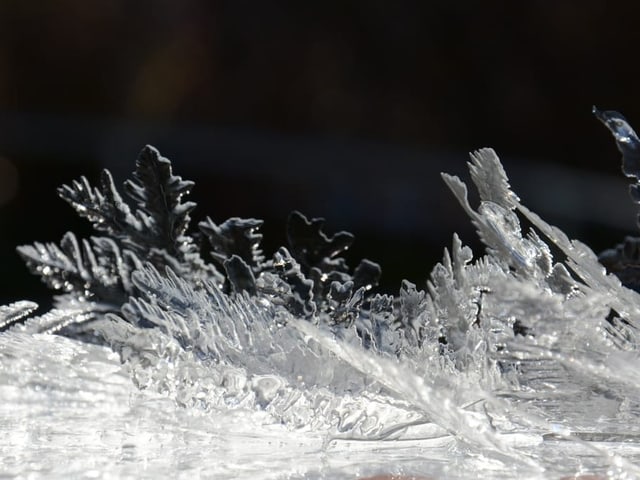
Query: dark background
pixel 347 110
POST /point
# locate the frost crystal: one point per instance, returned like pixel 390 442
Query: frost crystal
pixel 503 354
pixel 12 313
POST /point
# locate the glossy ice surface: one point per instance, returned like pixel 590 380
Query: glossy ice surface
pixel 70 410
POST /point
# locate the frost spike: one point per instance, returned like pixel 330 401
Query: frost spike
pixel 14 312
pixel 311 246
pixel 490 178
pixel 56 321
pixel 103 207
pixel 235 236
pixel 240 275
pixel 628 144
pixel 158 194
pixel 626 139
pixel 459 189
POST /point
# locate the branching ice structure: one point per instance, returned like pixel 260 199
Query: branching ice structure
pixel 520 363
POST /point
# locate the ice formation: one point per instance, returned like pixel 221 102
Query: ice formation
pixel 518 363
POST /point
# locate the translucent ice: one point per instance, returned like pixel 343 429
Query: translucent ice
pixel 166 357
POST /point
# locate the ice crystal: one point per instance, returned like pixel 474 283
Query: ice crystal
pixel 10 314
pixel 516 346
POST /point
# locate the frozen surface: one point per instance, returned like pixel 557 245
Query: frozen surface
pixel 160 361
pixel 70 410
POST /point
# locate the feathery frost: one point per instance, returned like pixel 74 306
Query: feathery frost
pixel 508 355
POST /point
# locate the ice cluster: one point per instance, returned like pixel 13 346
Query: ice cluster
pixel 526 356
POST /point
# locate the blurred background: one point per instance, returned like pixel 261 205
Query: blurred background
pixel 345 109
